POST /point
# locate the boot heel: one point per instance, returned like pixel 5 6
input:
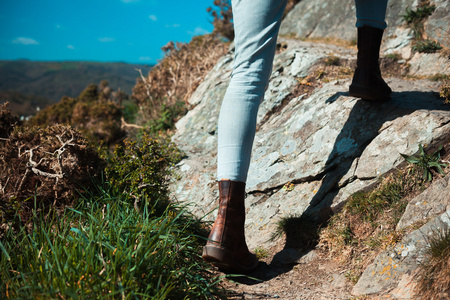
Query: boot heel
pixel 225 261
pixel 217 257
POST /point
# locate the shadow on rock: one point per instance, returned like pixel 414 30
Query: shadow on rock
pixel 361 128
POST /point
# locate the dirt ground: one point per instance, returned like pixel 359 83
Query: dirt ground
pixel 315 277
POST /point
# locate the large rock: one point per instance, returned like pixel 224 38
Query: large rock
pixel 329 144
pixel 319 19
pixel 336 19
pixel 428 64
pixel 432 202
pixel 436 26
pixel 393 270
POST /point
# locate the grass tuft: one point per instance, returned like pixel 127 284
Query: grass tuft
pixel 426 46
pixel 301 232
pixel 261 253
pixel 434 273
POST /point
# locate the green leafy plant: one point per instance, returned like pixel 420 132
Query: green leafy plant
pixel 427 162
pixel 415 18
pixel 167 118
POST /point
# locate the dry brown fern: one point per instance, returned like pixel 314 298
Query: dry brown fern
pixel 178 74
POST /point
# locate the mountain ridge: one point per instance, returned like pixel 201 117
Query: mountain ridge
pixel 31 84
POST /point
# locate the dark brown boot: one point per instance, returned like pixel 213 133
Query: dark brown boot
pixel 226 247
pixel 367 82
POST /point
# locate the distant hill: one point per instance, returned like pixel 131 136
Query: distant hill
pixel 30 84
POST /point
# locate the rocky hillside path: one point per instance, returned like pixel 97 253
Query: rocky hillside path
pixel 315 146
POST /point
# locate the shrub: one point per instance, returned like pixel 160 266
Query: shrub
pixel 59 113
pixel 7 120
pixel 97 114
pixel 100 120
pixel 142 170
pixel 90 93
pixel 222 19
pixel 167 118
pixel 47 166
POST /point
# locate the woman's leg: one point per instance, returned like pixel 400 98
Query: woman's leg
pixel 256 24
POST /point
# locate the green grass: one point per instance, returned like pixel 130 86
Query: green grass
pixel 105 248
pixel 370 205
pixel 439 77
pixel 426 46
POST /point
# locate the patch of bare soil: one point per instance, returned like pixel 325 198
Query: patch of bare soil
pixel 314 277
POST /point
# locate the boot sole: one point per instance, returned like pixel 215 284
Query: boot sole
pixel 366 94
pixel 224 260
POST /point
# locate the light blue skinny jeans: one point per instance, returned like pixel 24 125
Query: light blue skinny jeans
pixel 256 25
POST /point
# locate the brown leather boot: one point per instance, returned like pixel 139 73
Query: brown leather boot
pixel 226 247
pixel 367 82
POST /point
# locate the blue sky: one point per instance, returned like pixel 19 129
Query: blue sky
pixel 130 31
